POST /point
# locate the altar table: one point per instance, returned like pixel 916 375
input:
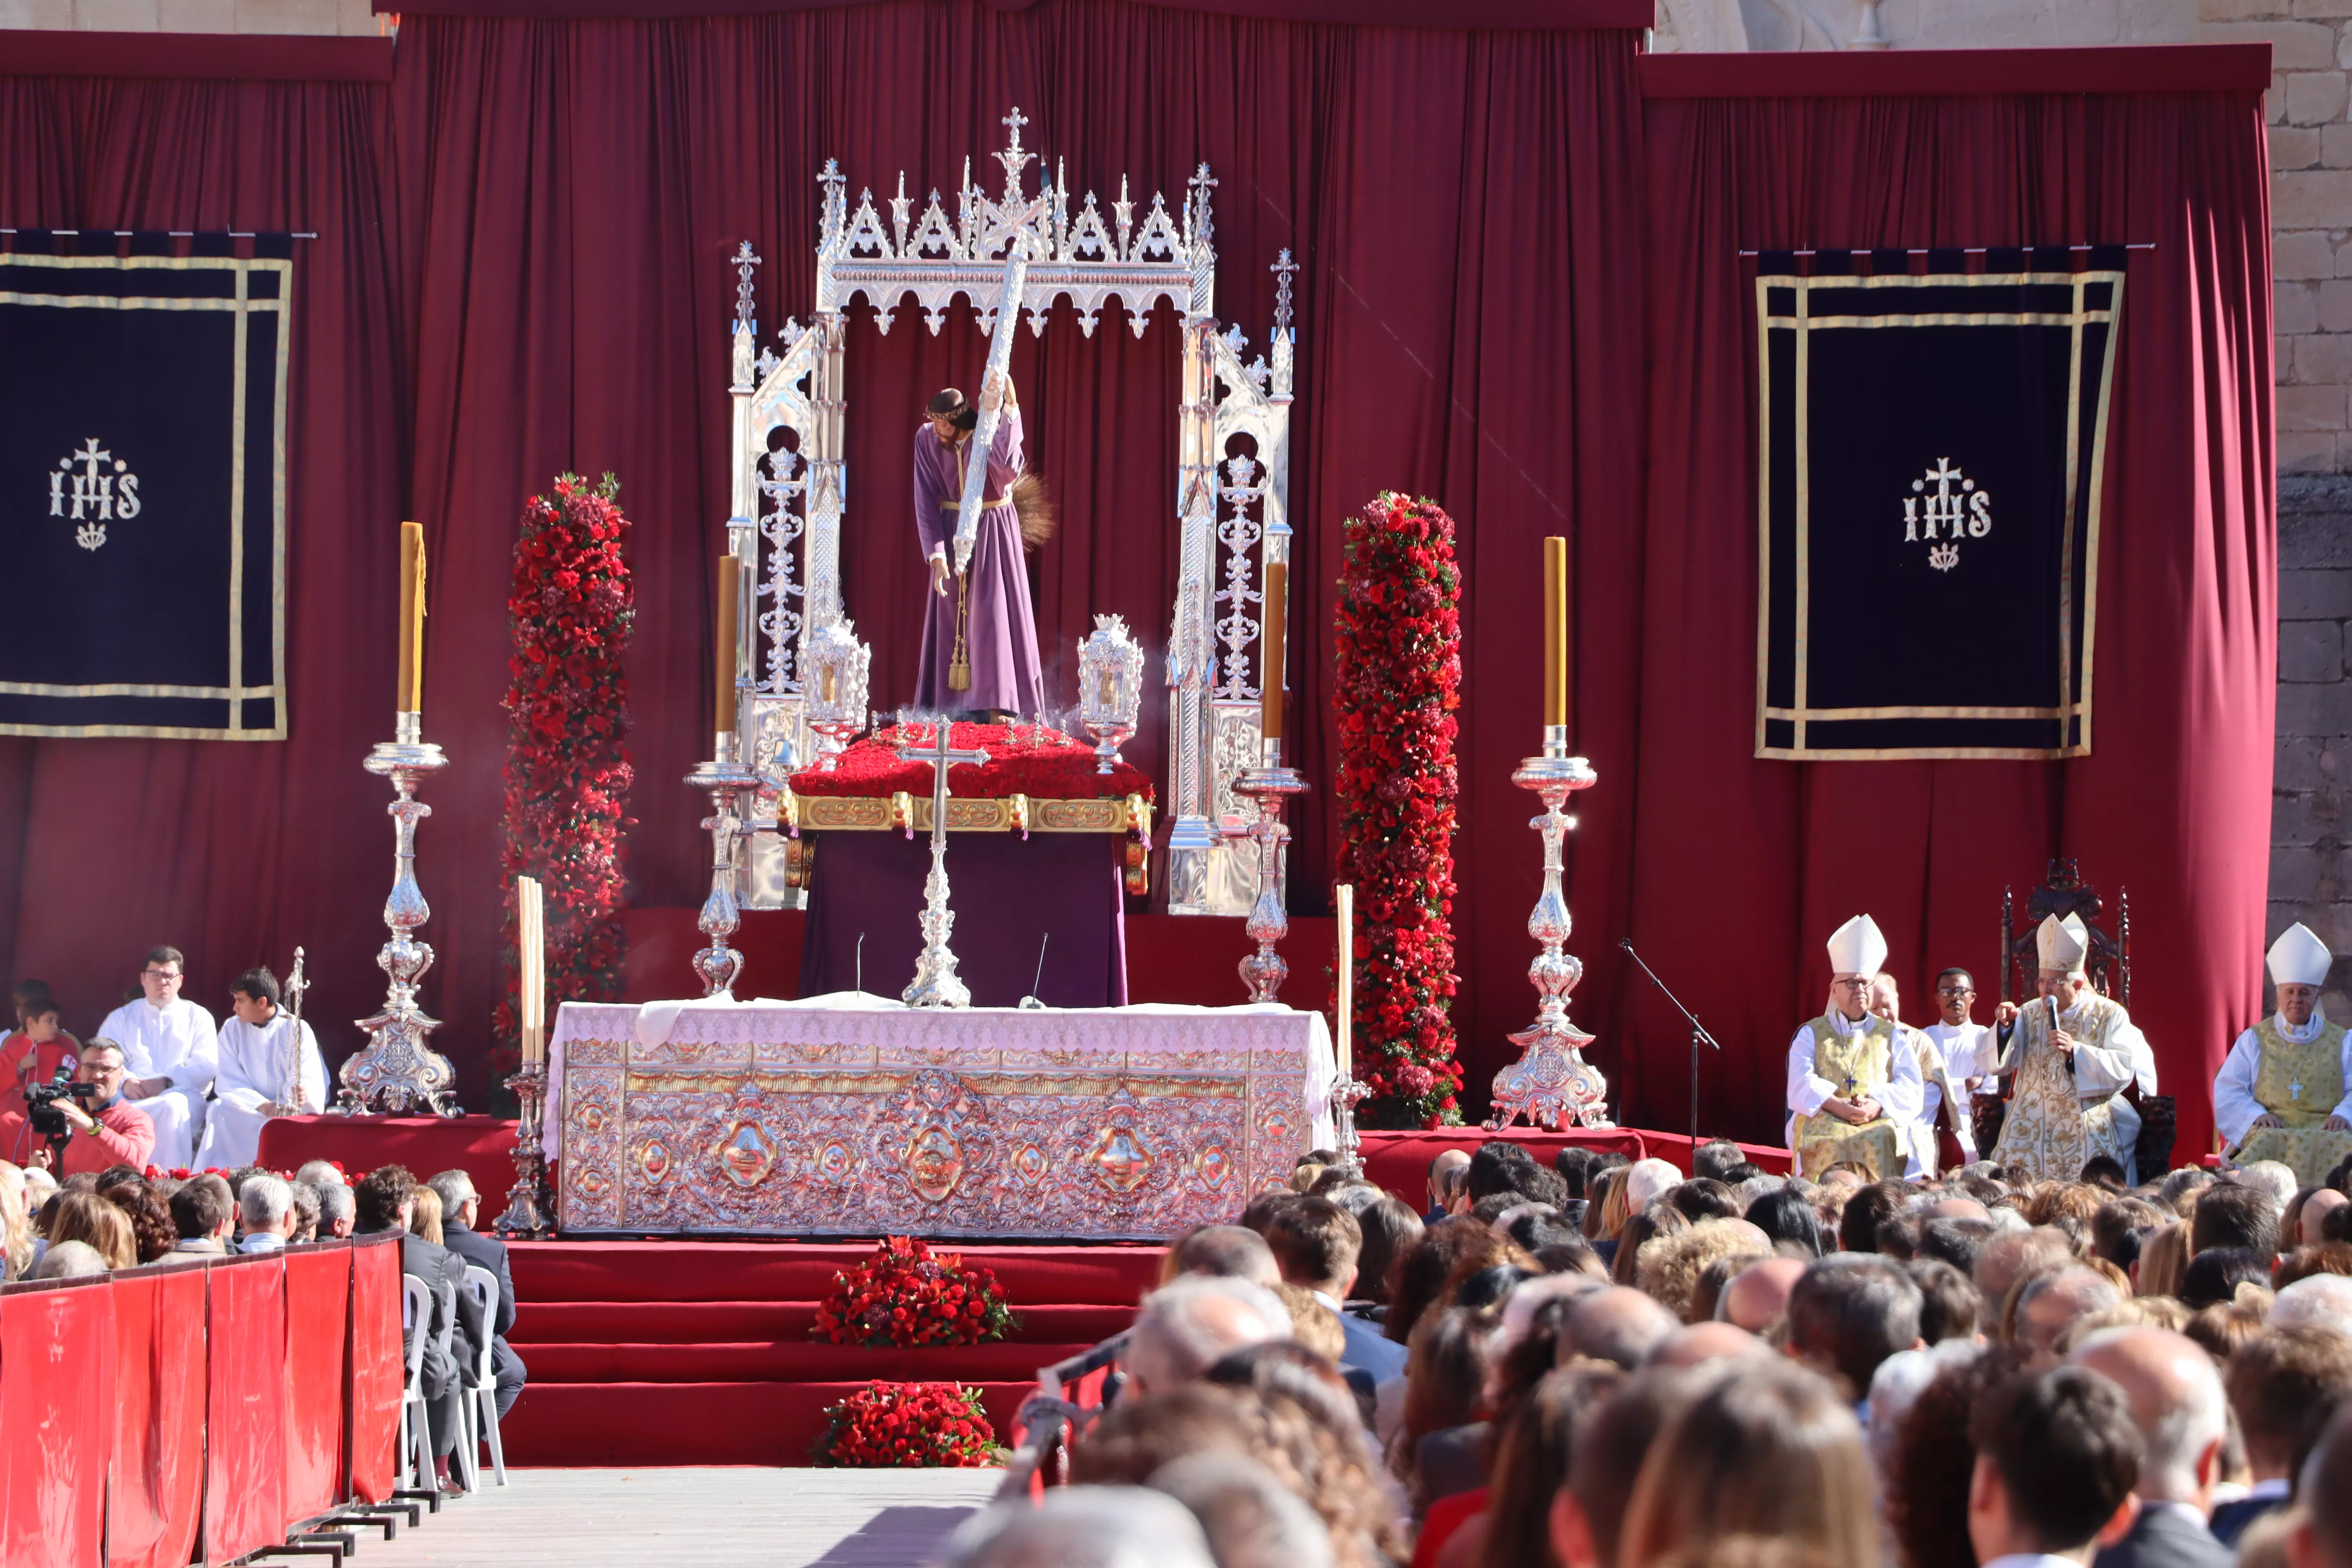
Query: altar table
pixel 852 1115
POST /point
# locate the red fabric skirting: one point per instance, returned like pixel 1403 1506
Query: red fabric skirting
pixel 481 1146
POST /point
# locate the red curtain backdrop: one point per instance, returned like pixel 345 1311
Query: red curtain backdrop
pixel 1464 205
pixel 236 853
pixel 1744 866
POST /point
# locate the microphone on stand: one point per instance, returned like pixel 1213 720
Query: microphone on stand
pixel 1698 1033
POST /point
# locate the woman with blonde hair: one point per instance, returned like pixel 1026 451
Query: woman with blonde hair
pixel 87 1217
pixel 16 1224
pixel 1773 1452
pixel 2163 1260
pixel 425 1219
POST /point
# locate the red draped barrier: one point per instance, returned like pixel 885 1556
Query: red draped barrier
pixel 244 1427
pixel 155 1500
pixel 56 1375
pixel 373 1406
pixel 318 1353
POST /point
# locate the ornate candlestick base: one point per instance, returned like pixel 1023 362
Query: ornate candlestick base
pixel 1345 1092
pixel 397 1073
pixel 726 778
pixel 1551 1084
pixel 530 1204
pixel 1264 971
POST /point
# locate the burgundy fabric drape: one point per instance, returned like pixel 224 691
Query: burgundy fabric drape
pixel 236 852
pixel 1745 866
pixel 1461 202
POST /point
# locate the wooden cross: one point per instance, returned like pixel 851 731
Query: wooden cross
pixel 940 758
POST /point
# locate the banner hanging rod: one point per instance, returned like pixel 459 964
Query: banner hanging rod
pixel 168 233
pixel 1962 249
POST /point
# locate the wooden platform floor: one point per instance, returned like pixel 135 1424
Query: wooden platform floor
pixel 711 1518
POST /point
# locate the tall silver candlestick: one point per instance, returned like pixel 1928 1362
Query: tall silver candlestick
pixel 530 1202
pixel 726 778
pixel 1265 971
pixel 397 1073
pixel 935 983
pixel 1551 1084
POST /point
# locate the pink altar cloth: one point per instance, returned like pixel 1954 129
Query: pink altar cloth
pixel 852 1115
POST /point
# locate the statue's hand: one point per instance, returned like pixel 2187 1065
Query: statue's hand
pixel 940 576
pixel 996 391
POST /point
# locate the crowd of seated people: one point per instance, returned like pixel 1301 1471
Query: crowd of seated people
pixel 1601 1363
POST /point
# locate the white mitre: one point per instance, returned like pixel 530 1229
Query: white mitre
pixel 2299 957
pixel 1857 947
pixel 2063 944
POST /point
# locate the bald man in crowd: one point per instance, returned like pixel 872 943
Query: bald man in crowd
pixel 1758 1297
pixel 2183 1416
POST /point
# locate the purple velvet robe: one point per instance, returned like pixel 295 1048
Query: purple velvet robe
pixel 1000 630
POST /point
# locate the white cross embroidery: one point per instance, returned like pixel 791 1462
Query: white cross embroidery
pixel 2293 1089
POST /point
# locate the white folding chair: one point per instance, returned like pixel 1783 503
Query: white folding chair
pixel 415 1424
pixel 482 1383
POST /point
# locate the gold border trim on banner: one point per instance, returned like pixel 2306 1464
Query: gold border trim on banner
pixel 1801 323
pixel 242 305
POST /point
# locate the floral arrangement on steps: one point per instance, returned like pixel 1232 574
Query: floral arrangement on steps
pixel 903 1425
pixel 904 1296
pixel 1397 685
pixel 567 772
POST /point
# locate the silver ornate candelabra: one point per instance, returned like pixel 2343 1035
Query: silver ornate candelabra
pixel 1111 688
pixel 935 983
pixel 397 1072
pixel 1551 1084
pixel 1269 786
pixel 726 778
pixel 530 1202
pixel 836 685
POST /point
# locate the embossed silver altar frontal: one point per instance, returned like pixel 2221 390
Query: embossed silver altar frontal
pixel 1233 484
pixel 781 1120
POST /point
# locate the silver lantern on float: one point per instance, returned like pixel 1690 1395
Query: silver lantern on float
pixel 1111 687
pixel 835 681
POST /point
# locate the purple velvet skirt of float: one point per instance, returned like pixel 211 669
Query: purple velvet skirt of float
pixel 1000 629
pixel 1008 894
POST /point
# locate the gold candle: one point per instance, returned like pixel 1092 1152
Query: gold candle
pixel 1555 580
pixel 1346 899
pixel 1270 669
pixel 723 669
pixel 411 681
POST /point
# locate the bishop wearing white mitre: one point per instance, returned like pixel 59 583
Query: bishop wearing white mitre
pixel 2282 1092
pixel 1853 1083
pixel 171 1048
pixel 269 1066
pixel 2075 1053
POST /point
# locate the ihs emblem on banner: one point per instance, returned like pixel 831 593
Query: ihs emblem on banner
pixel 1955 507
pixel 104 490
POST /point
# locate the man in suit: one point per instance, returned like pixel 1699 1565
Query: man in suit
pixel 2183 1417
pixel 1315 1244
pixel 2283 1386
pixel 2323 1537
pixel 461 1212
pixel 386 1200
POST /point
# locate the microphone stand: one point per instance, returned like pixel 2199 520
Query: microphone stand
pixel 1698 1034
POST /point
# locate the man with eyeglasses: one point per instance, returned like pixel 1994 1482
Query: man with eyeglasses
pixel 1971 1051
pixel 171 1047
pixel 2285 1091
pixel 1853 1082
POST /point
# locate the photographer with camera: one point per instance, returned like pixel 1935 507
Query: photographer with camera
pixel 87 1123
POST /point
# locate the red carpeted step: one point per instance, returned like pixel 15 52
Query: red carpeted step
pixel 785 1271
pixel 690 1423
pixel 739 1323
pixel 787 1362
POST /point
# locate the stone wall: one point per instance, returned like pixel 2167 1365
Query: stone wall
pixel 2311 840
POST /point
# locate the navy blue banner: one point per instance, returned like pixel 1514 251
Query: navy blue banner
pixel 143 491
pixel 1929 453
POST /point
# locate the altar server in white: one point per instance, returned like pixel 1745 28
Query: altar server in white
pixel 172 1048
pixel 1972 1050
pixel 269 1066
pixel 2290 1076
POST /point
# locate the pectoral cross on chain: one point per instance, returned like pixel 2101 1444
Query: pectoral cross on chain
pixel 2294 1089
pixel 936 983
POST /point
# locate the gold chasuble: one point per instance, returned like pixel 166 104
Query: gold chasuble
pixel 1859 1064
pixel 2301 1086
pixel 2050 1133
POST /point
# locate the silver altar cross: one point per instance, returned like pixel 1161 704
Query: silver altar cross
pixel 936 983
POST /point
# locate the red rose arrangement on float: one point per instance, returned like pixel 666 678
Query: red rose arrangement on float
pixel 904 1296
pixel 897 1425
pixel 567 771
pixel 1396 687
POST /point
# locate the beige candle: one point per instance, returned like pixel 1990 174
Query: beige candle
pixel 411 676
pixel 1346 909
pixel 531 944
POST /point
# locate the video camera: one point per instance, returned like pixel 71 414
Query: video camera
pixel 41 1099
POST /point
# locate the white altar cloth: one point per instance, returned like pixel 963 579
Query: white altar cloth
pixel 854 1115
